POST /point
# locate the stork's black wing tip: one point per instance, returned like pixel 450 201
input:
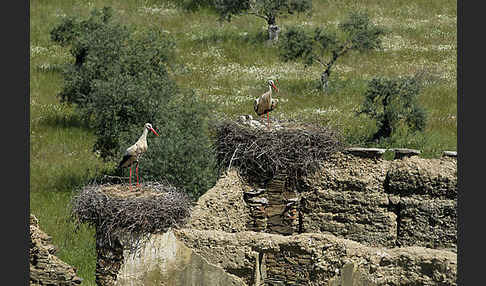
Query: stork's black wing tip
pixel 125 158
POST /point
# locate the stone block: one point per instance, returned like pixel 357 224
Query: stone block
pixel 428 223
pixel 432 178
pixel 361 216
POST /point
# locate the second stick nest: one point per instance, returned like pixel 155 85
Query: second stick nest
pixel 260 154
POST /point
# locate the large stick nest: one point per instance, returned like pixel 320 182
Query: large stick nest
pixel 260 154
pixel 114 209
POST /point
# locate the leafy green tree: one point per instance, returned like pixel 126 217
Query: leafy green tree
pixel 325 46
pixel 268 10
pixel 96 44
pixel 393 103
pixel 121 82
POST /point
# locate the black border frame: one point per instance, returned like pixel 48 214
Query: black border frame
pixel 16 142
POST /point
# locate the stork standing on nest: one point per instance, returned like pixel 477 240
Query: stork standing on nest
pixel 265 103
pixel 134 152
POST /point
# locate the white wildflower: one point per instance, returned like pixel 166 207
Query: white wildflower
pixel 158 10
pixel 34 51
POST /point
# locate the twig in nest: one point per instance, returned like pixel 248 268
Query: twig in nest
pixel 115 177
pixel 232 157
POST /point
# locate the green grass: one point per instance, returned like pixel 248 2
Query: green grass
pixel 227 64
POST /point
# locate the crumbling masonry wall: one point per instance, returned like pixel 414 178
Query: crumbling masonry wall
pixel 318 259
pixel 404 202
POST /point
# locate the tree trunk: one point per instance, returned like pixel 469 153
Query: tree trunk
pixel 325 75
pixel 273 29
pixel 325 80
pixel 80 58
pixel 386 127
pixel 384 131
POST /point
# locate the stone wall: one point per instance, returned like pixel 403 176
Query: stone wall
pixel 223 208
pixel 209 257
pixel 45 267
pixel 424 196
pixel 403 202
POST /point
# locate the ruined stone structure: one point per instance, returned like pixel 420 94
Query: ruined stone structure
pixel 360 220
pixel 45 267
pixel 318 259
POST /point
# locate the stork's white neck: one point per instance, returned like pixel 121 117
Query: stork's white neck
pixel 270 88
pixel 144 134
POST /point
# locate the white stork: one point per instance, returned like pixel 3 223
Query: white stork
pixel 265 103
pixel 134 152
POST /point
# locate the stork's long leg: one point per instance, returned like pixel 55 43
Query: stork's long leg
pixel 136 171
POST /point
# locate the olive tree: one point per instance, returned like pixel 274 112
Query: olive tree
pixel 326 46
pixel 393 102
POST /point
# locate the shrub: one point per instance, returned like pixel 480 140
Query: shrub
pixel 121 83
pixel 123 104
pixel 193 5
pixel 393 103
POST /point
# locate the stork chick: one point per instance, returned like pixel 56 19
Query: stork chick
pixel 265 103
pixel 134 152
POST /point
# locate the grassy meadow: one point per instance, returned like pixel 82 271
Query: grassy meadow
pixel 228 64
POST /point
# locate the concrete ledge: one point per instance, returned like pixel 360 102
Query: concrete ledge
pixel 366 152
pixel 449 154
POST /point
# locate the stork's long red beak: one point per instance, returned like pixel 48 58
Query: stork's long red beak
pixel 154 131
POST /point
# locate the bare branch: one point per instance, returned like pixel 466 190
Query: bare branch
pixel 258 15
pixel 319 62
